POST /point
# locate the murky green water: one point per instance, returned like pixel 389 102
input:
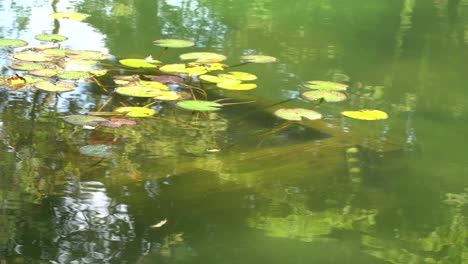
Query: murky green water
pixel 271 195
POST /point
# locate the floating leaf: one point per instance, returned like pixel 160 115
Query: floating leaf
pixel 229 85
pixel 55 52
pixel 217 79
pixel 170 96
pixel 258 58
pixel 366 114
pixel 173 43
pixel 25 66
pixel 138 63
pixel 203 57
pixel 167 79
pixel 51 37
pixel 14 43
pixel 199 105
pixel 57 87
pixel 99 151
pixel 86 55
pixel 16 81
pixel 242 76
pixel 98 73
pixel 138 91
pixel 69 14
pixel 74 75
pixel 182 68
pixel 324 85
pixel 32 80
pixel 328 96
pixel 297 114
pixel 117 122
pixel 83 120
pixel 45 72
pixel 136 111
pixel 32 57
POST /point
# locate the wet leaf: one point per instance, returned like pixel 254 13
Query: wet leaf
pixel 74 75
pixel 33 57
pixel 139 63
pixel 229 85
pixel 324 85
pixel 297 114
pixel 199 105
pixel 83 120
pixel 45 72
pixel 366 114
pixel 258 58
pixel 86 55
pixel 167 79
pixel 69 14
pixel 173 43
pixel 25 66
pixel 203 57
pixel 136 111
pixel 99 151
pixel 57 87
pixel 14 43
pixel 51 37
pixel 328 96
pixel 138 91
pixel 242 76
pixel 55 52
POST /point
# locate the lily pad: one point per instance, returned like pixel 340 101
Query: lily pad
pixel 328 96
pixel 199 105
pixel 217 79
pixel 182 68
pixel 83 120
pixel 98 73
pixel 55 52
pixel 136 111
pixel 366 114
pixel 57 87
pixel 69 14
pixel 203 57
pixel 238 87
pixel 14 43
pixel 242 76
pixel 258 58
pixel 324 85
pixel 51 37
pixel 138 91
pixel 98 151
pixel 139 63
pixel 167 79
pixel 173 43
pixel 45 72
pixel 25 66
pixel 32 80
pixel 297 114
pixel 117 122
pixel 74 75
pixel 33 57
pixel 86 55
pixel 171 96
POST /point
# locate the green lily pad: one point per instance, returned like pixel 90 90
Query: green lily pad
pixel 203 57
pixel 98 151
pixel 69 14
pixel 33 57
pixel 217 79
pixel 258 58
pixel 57 87
pixel 13 43
pixel 83 120
pixel 74 75
pixel 182 68
pixel 135 111
pixel 138 91
pixel 25 66
pixel 98 73
pixel 55 52
pixel 32 79
pixel 328 96
pixel 86 55
pixel 366 114
pixel 171 96
pixel 199 105
pixel 51 37
pixel 45 72
pixel 229 85
pixel 139 63
pixel 297 114
pixel 242 76
pixel 173 43
pixel 324 85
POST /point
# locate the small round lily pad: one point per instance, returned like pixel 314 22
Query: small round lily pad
pixel 258 58
pixel 366 114
pixel 139 63
pixel 328 96
pixel 45 72
pixel 182 68
pixel 32 57
pixel 69 14
pixel 51 37
pixel 74 75
pixel 137 91
pixel 86 55
pixel 173 43
pixel 325 85
pixel 242 76
pixel 13 43
pixel 55 52
pixel 57 87
pixel 297 114
pixel 98 151
pixel 199 105
pixel 25 66
pixel 167 79
pixel 217 79
pixel 135 111
pixel 236 86
pixel 83 120
pixel 203 56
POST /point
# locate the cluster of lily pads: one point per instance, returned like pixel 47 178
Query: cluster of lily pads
pixel 52 68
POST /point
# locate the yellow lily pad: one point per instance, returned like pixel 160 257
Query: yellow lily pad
pixel 243 76
pixel 139 63
pixel 45 72
pixel 325 85
pixel 138 91
pixel 203 56
pixel 33 57
pixel 173 43
pixel 182 68
pixel 51 37
pixel 135 111
pixel 366 114
pixel 258 58
pixel 69 14
pixel 13 43
pixel 57 87
pixel 229 85
pixel 297 114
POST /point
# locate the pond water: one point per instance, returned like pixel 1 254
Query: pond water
pixel 240 185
